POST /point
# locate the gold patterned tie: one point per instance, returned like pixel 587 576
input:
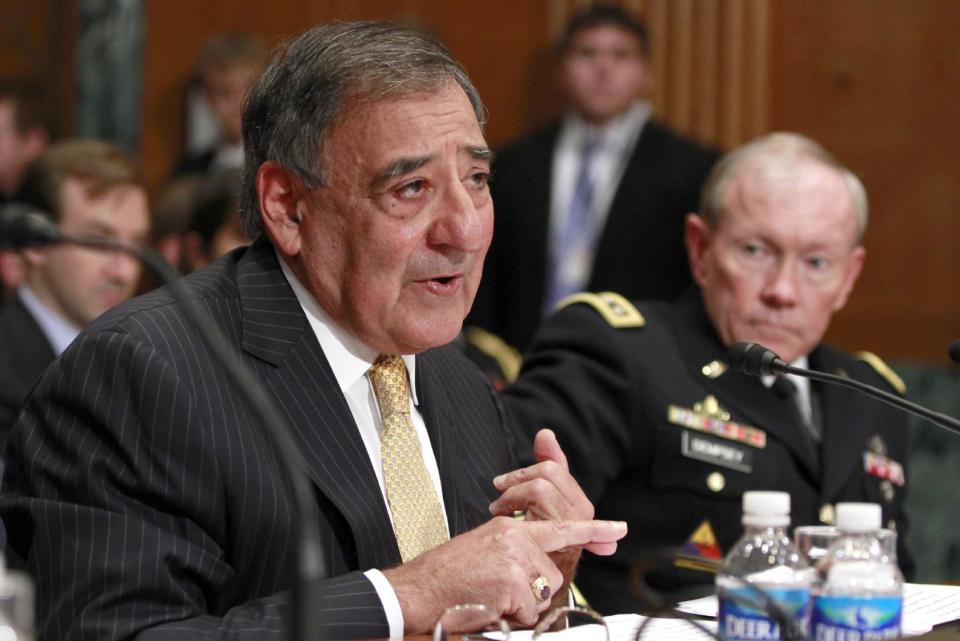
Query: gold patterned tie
pixel 411 495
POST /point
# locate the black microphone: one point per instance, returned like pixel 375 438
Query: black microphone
pixel 757 360
pixel 955 351
pixel 24 226
pixel 309 560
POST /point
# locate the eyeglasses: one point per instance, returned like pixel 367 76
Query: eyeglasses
pixel 476 621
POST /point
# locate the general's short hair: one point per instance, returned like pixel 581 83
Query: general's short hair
pixel 32 105
pixel 316 82
pixel 604 15
pixel 101 166
pixel 778 151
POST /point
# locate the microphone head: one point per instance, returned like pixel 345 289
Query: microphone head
pixel 955 351
pixel 754 359
pixel 24 226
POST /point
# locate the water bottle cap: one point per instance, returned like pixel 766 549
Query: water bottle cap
pixel 766 509
pixel 858 517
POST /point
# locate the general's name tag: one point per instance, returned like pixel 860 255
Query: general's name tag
pixel 716 451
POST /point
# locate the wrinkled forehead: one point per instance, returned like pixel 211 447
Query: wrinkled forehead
pixel 777 193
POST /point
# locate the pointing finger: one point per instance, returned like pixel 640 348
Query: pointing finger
pixel 551 536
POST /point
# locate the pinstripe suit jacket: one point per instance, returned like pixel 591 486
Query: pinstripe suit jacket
pixel 141 497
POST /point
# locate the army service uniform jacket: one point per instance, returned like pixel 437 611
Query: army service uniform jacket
pixel 662 434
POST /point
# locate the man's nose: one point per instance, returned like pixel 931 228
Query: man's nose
pixel 122 267
pixel 781 288
pixel 462 224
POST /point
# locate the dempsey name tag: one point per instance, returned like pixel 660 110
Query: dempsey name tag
pixel 713 450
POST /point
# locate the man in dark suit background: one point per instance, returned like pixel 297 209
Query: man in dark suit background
pixel 26 130
pixel 138 489
pixel 662 433
pixel 597 200
pixel 88 187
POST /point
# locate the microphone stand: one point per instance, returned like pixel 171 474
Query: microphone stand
pixel 309 558
pixel 942 420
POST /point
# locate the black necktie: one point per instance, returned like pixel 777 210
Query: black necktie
pixel 788 389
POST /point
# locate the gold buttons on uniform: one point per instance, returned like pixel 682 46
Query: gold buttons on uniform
pixel 713 369
pixel 892 525
pixel 716 481
pixel 827 514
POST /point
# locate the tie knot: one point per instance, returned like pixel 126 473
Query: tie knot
pixel 785 387
pixel 389 377
pixel 589 147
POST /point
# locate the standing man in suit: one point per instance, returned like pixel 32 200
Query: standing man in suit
pixel 597 200
pixel 227 65
pixel 89 188
pixel 661 433
pixel 138 488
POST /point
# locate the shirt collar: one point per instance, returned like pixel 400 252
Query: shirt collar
pixel 349 357
pixel 802 362
pixel 59 331
pixel 617 134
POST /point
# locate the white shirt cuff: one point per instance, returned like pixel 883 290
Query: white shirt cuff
pixel 388 598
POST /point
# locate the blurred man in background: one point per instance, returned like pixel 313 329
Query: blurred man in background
pixel 227 65
pixel 26 128
pixel 596 200
pixel 89 188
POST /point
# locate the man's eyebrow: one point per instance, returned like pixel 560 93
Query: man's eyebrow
pixel 399 168
pixel 481 153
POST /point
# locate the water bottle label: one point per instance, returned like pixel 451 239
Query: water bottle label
pixel 843 618
pixel 743 616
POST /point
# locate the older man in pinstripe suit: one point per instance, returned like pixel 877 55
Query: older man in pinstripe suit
pixel 138 492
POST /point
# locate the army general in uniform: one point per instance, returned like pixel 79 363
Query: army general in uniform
pixel 663 434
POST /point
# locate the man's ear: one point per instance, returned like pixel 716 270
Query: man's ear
pixel 280 193
pixel 697 239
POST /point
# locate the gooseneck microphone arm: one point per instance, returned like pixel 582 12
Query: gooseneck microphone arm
pixel 20 228
pixel 757 360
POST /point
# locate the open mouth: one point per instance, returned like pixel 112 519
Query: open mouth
pixel 443 285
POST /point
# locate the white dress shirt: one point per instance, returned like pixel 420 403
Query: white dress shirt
pixel 350 359
pixel 59 331
pixel 618 138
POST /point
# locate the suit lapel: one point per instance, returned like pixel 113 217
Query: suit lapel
pixel 434 407
pixel 741 395
pixel 847 424
pixel 276 331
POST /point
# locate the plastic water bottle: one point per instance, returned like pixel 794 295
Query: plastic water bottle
pixel 764 575
pixel 861 597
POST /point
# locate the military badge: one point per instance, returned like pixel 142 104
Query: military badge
pixel 883 468
pixel 708 416
pixel 702 544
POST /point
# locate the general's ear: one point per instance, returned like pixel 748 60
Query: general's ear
pixel 280 192
pixel 697 239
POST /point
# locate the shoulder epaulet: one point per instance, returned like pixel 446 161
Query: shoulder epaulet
pixel 615 309
pixel 883 370
pixel 506 356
